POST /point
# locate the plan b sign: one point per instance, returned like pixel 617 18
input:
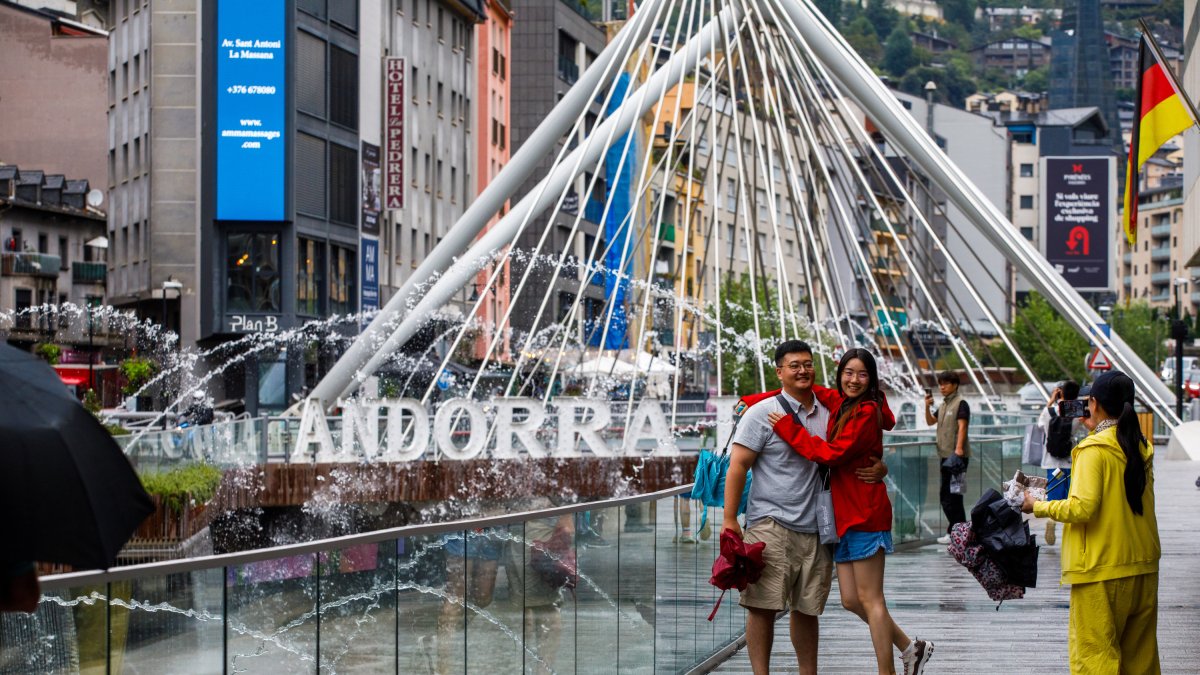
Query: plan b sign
pixel 1078 213
pixel 251 60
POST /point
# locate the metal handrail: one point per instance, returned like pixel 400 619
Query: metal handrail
pixel 93 577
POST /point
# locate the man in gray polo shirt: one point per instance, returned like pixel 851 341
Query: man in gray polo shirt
pixel 781 511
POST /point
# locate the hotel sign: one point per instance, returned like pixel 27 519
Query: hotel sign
pixel 393 130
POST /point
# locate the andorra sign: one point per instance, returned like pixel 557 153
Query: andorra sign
pixel 400 430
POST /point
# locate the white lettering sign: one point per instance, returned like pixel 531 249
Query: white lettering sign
pixel 399 430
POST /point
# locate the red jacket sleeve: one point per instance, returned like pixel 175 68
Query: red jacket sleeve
pixel 857 438
pixel 889 419
pixel 830 398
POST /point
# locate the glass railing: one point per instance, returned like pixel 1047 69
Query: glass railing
pixel 914 481
pixel 552 589
pixel 610 586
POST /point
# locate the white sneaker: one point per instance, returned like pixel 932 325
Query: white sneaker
pixel 916 656
pixel 944 539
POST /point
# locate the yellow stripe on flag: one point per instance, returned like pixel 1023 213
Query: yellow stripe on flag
pixel 1168 119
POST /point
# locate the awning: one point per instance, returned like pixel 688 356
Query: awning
pixel 74 378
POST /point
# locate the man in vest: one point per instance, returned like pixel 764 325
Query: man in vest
pixel 951 419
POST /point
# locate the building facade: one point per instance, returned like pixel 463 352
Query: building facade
pixel 1156 266
pixel 1016 56
pixel 48 58
pixel 493 40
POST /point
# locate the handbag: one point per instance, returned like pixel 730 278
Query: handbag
pixel 553 560
pixel 826 525
pixel 1034 445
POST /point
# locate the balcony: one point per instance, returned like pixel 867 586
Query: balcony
pixel 1163 230
pixel 1162 253
pixel 1160 298
pixel 1128 282
pixel 88 272
pixel 1160 277
pixel 879 226
pixel 1127 258
pixel 1196 298
pixel 666 232
pixel 30 264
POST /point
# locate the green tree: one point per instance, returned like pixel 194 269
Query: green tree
pixel 898 56
pixel 954 82
pixel 1028 32
pixel 1037 80
pixel 832 9
pixel 959 12
pixel 861 36
pixel 1144 329
pixel 882 17
pixel 1049 344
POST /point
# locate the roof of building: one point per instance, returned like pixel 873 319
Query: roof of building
pixel 62 24
pixel 71 201
pixel 1044 42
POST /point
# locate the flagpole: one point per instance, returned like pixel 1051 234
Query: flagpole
pixel 1162 61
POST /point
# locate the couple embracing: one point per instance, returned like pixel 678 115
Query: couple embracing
pixel 787 437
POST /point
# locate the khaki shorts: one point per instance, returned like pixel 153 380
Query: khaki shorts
pixel 798 571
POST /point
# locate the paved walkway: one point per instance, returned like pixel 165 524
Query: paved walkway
pixel 932 597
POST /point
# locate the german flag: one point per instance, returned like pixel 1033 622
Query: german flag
pixel 1161 115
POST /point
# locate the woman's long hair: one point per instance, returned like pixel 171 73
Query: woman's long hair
pixel 849 405
pixel 1129 436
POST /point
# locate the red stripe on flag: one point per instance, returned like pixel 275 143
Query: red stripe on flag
pixel 1156 88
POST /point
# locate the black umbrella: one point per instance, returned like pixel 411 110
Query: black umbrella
pixel 67 492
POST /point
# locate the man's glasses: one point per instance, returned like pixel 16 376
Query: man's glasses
pixel 799 367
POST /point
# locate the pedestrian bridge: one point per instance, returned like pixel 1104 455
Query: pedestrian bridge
pixel 401 600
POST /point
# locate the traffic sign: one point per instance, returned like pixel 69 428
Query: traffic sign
pixel 1098 361
pixel 445 380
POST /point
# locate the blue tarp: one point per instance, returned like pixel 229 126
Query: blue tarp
pixel 616 228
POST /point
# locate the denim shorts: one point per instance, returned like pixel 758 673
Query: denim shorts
pixel 856 545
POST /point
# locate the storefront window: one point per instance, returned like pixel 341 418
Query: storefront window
pixel 310 277
pixel 252 270
pixel 343 295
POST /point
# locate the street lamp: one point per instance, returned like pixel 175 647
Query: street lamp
pixel 171 284
pixel 1179 334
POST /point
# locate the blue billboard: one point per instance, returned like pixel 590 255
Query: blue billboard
pixel 251 109
pixel 370 274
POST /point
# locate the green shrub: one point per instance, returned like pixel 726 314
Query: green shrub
pixel 116 430
pixel 91 401
pixel 137 373
pixel 48 352
pixel 179 486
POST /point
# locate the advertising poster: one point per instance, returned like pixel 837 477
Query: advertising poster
pixel 370 274
pixel 393 133
pixel 370 189
pixel 1078 211
pixel 251 113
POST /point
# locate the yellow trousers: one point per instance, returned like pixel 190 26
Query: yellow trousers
pixel 1114 627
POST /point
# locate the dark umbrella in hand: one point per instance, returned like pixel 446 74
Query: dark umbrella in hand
pixel 739 565
pixel 67 492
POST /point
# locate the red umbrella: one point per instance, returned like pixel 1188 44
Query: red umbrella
pixel 739 565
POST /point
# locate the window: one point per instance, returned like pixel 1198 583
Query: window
pixel 64 254
pixel 310 277
pixel 1027 201
pixel 1027 232
pixel 1025 137
pixel 343 87
pixel 731 195
pixel 1026 171
pixel 310 175
pixel 252 272
pixel 310 74
pixel 43 243
pixel 343 184
pixel 343 298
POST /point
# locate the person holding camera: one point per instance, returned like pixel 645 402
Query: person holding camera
pixel 1110 548
pixel 1061 433
pixel 951 419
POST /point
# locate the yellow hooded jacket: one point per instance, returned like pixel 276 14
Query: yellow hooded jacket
pixel 1103 538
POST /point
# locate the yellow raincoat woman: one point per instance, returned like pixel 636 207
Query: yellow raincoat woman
pixel 1110 548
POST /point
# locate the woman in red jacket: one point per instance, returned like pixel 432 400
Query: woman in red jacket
pixel 862 511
